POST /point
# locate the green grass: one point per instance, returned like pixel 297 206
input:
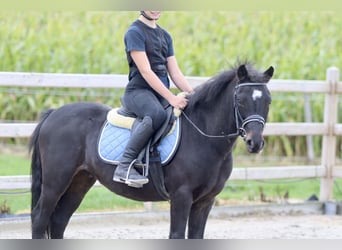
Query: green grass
pixel 274 190
pixel 101 199
pixel 235 192
pixel 14 165
pixel 97 199
pixel 18 201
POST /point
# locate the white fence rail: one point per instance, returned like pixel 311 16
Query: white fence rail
pixel 329 128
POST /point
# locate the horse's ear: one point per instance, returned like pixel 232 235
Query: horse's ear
pixel 242 72
pixel 269 72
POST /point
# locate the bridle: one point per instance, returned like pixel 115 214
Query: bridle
pixel 239 120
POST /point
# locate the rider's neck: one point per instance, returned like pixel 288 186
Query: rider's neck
pixel 150 23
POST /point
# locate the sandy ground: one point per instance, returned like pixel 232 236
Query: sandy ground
pixel 221 225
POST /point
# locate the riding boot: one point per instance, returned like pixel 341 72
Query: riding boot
pixel 125 171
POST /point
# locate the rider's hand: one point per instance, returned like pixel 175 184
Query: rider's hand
pixel 178 102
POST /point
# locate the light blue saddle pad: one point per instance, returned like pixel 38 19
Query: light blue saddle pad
pixel 113 141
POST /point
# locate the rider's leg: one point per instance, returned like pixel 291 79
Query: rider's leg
pixel 144 104
pixel 125 171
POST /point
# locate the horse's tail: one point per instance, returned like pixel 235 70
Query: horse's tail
pixel 36 167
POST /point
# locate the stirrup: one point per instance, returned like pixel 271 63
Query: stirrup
pixel 130 182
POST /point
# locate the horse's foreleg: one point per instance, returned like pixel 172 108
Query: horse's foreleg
pixel 198 218
pixel 181 202
pixel 69 202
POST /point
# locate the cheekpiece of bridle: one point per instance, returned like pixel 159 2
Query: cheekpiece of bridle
pixel 239 120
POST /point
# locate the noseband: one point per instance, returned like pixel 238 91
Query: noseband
pixel 239 120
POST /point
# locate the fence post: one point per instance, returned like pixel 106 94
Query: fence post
pixel 308 119
pixel 329 139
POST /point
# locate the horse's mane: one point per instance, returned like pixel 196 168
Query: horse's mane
pixel 211 88
pixel 216 85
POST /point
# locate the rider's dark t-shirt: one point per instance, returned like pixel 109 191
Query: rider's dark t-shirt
pixel 157 43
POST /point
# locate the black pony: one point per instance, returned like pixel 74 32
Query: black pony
pixel 66 164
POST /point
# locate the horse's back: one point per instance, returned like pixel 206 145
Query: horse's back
pixel 72 126
pixel 81 110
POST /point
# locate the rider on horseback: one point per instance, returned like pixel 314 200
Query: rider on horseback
pixel 150 58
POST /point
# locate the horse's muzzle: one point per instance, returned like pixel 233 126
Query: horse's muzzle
pixel 251 131
pixel 254 142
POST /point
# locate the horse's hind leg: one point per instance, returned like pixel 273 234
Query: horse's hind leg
pixel 41 213
pixel 55 182
pixel 198 218
pixel 40 218
pixel 69 202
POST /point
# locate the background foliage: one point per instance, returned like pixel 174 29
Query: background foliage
pixel 300 45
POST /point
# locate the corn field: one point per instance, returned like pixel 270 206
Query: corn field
pixel 300 45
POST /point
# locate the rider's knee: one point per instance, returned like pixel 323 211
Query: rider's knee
pixel 158 118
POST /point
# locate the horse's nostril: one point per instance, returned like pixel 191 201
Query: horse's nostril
pixel 262 144
pixel 249 142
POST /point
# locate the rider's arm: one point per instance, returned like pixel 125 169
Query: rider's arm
pixel 141 61
pixel 177 75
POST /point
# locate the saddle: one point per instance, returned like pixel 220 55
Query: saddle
pixel 121 117
pixel 159 151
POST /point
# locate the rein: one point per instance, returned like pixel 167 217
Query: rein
pixel 239 121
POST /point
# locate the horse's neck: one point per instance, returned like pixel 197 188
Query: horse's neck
pixel 217 118
pixel 222 117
